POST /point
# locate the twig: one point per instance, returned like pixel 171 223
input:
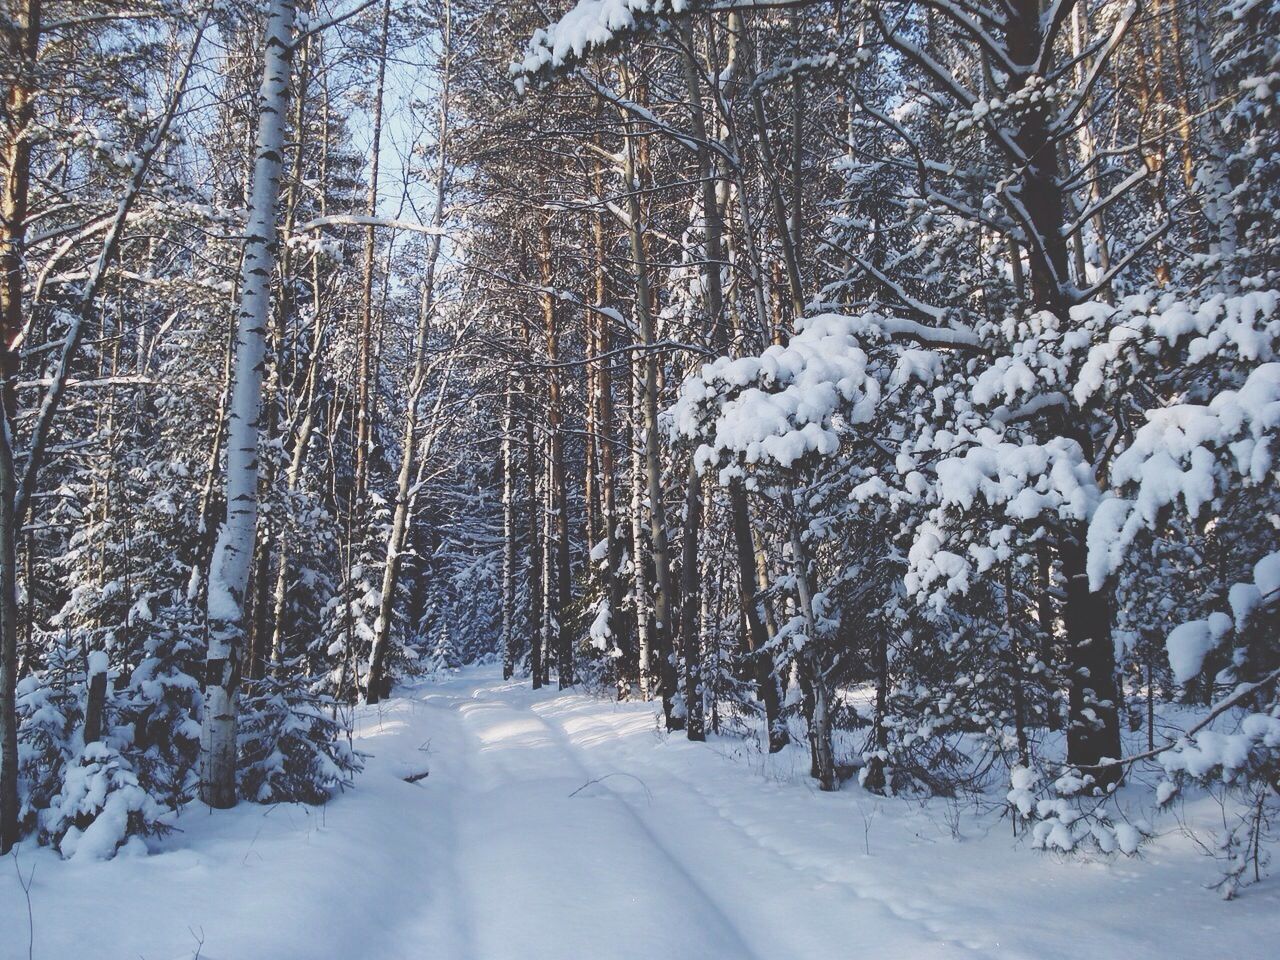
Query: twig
pixel 26 890
pixel 647 793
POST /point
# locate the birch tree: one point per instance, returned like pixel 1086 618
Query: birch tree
pixel 233 549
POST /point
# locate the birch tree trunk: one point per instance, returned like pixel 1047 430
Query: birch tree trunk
pixel 781 222
pixel 508 535
pixel 639 553
pixel 376 685
pixel 534 560
pixel 229 573
pixel 550 600
pixel 713 299
pixel 811 666
pixel 757 633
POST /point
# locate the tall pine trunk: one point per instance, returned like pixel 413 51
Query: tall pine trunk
pixel 22 38
pixel 664 622
pixel 365 368
pixel 557 493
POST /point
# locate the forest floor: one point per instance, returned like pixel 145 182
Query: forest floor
pixel 558 826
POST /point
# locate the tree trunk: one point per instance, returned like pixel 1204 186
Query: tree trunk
pixel 364 373
pixel 781 222
pixel 717 337
pixel 550 600
pixel 8 647
pixel 604 427
pixel 1093 728
pixel 508 534
pixel 639 554
pixel 376 686
pixel 811 666
pixel 535 542
pixel 234 547
pixel 558 497
pixel 1045 619
pixel 757 635
pixel 653 468
pixel 22 41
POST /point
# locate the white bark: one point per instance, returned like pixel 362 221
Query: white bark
pixel 229 570
pixel 810 661
pixel 508 535
pixel 1214 181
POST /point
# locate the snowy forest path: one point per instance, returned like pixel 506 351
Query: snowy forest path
pixel 494 822
pixel 770 880
pixel 663 871
pixel 531 802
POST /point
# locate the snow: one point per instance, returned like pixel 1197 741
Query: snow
pixel 1023 781
pixel 589 23
pixel 1189 643
pixel 1183 452
pixel 600 632
pixel 600 550
pixel 97 662
pixel 555 825
pixel 1230 751
pixel 1266 575
pixel 784 404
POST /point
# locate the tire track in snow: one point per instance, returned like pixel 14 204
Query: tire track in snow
pixel 805 869
pixel 705 912
pixel 450 911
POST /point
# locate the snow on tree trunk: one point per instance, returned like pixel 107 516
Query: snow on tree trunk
pixel 811 666
pixel 639 553
pixel 233 551
pixel 534 512
pixel 757 636
pixel 508 534
pixel 1093 731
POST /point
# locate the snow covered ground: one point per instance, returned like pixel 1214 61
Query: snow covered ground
pixel 557 826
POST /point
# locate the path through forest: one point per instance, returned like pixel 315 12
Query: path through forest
pixel 557 826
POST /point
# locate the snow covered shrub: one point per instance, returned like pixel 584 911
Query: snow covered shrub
pixel 158 710
pixel 347 634
pixel 306 566
pixel 599 662
pixel 293 748
pixel 1235 750
pixel 50 711
pixel 141 765
pixel 444 653
pixel 100 807
pixel 1071 814
pixel 1243 844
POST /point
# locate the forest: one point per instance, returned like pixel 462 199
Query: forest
pixel 413 406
